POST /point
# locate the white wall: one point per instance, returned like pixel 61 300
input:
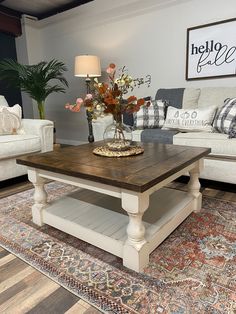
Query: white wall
pixel 149 37
pixel 29 51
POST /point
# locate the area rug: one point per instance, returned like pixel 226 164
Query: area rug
pixel 192 271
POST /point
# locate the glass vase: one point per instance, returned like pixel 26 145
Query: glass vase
pixel 118 136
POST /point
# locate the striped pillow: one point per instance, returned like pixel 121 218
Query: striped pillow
pixel 151 117
pixel 225 120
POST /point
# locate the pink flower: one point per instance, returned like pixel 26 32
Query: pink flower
pixel 76 107
pixel 73 108
pixel 111 69
pixel 67 106
pixel 88 97
pixel 79 101
pixel 112 65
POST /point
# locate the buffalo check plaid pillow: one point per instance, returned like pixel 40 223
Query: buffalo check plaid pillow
pixel 225 120
pixel 150 117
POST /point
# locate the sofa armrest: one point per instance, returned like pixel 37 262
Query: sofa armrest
pixel 99 126
pixel 42 128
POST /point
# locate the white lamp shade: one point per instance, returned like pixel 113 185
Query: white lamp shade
pixel 87 66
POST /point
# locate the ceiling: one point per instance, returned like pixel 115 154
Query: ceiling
pixel 38 8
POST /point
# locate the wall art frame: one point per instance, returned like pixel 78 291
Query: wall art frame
pixel 211 50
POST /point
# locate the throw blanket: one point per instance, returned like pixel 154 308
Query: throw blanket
pixel 174 96
pixel 158 136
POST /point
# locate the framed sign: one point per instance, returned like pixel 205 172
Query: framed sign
pixel 211 50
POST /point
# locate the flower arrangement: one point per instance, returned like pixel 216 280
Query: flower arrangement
pixel 108 97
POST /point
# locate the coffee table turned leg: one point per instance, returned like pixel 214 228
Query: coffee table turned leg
pixel 194 186
pixel 135 251
pixel 40 196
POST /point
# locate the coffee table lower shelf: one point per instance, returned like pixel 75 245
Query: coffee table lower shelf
pixel 99 219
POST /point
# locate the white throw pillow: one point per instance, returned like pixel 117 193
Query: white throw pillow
pixel 3 101
pixel 190 120
pixel 10 120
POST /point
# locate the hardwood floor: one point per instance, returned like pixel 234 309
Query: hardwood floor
pixel 15 185
pixel 25 290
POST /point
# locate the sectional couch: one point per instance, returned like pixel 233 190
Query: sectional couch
pixel 221 163
pixel 36 136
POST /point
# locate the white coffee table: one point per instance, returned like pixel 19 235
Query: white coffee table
pixel 123 205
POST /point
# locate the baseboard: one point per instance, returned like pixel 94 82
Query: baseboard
pixel 69 142
pixel 13 181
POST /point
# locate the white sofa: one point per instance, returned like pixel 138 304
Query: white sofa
pixel 37 137
pixel 221 163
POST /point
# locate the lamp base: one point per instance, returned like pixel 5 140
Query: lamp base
pixel 91 138
pixel 90 127
pixel 89 115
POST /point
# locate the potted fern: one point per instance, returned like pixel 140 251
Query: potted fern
pixel 35 79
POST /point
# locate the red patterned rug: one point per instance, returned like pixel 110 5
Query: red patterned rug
pixel 192 271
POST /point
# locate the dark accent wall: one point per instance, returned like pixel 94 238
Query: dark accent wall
pixel 8 50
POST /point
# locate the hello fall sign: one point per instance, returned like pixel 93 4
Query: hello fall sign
pixel 211 50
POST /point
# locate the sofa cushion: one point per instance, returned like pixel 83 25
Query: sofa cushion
pixel 16 145
pixel 218 142
pixel 174 96
pixel 136 135
pixel 215 96
pixel 190 98
pixel 158 136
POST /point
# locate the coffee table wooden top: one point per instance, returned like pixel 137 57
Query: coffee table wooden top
pixel 136 173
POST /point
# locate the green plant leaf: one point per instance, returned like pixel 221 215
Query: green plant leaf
pixel 35 79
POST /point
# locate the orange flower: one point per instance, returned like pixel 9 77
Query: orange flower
pixel 140 102
pixel 109 109
pixel 110 100
pixel 103 88
pixel 131 99
pixel 88 102
pixel 116 92
pixel 136 108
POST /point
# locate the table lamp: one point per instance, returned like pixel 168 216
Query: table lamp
pixel 88 66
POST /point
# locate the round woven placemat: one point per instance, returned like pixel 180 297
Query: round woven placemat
pixel 104 151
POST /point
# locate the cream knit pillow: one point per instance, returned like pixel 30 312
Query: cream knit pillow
pixel 10 120
pixel 3 101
